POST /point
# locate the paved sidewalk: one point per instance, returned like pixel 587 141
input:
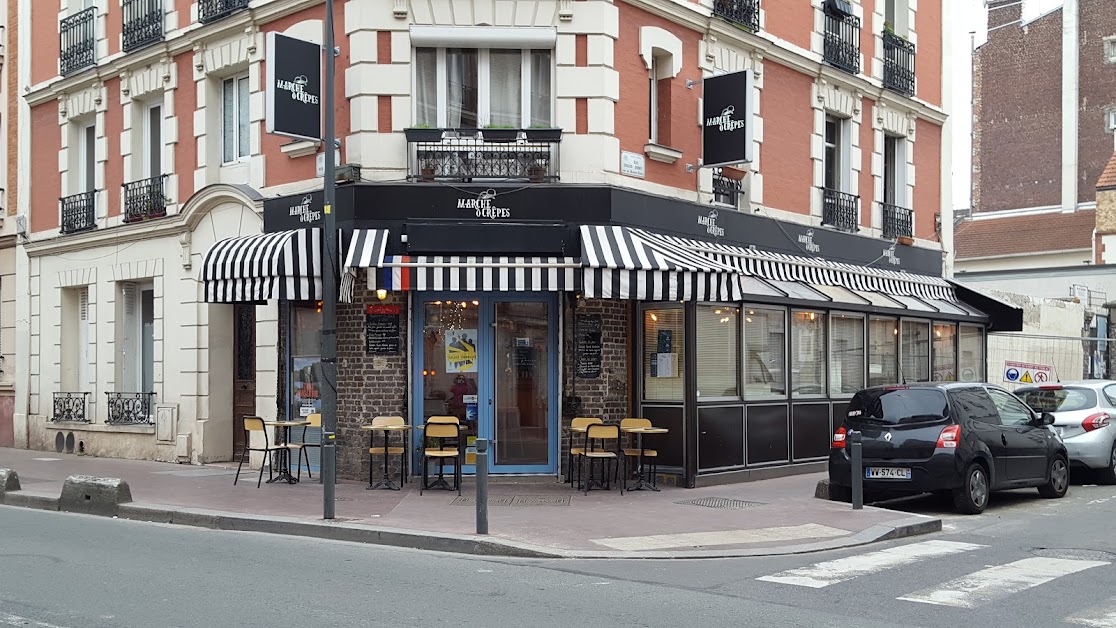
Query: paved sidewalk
pixel 528 516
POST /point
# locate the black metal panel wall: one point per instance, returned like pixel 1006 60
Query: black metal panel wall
pixel 720 437
pixel 669 445
pixel 768 436
pixel 810 432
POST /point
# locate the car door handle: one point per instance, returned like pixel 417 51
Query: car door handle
pixel 1003 439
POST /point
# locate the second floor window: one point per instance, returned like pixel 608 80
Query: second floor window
pixel 87 170
pixel 234 117
pixel 153 141
pixel 891 170
pixel 834 142
pixel 473 88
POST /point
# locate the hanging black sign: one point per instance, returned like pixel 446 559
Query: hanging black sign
pixel 294 87
pixel 727 119
pixel 588 346
pixel 381 330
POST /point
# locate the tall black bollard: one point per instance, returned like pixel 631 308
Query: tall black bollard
pixel 857 470
pixel 482 485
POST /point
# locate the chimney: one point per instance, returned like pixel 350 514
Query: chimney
pixel 1001 12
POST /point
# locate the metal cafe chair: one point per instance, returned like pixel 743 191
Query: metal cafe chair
pixel 575 453
pixel 256 424
pixel 387 450
pixel 315 420
pixel 640 454
pixel 441 432
pixel 602 442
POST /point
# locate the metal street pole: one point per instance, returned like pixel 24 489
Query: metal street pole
pixel 329 267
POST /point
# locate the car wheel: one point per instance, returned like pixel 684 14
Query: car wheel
pixel 838 493
pixel 972 496
pixel 1059 479
pixel 1108 476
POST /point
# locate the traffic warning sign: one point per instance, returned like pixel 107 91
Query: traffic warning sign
pixel 1027 373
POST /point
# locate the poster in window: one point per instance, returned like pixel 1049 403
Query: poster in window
pixel 306 394
pixel 461 351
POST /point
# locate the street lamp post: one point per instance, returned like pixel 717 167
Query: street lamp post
pixel 330 267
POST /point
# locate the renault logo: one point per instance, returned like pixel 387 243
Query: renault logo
pixel 887 437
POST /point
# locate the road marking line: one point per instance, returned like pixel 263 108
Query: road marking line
pixel 1097 616
pixel 726 537
pixel 1000 581
pixel 15 620
pixel 830 572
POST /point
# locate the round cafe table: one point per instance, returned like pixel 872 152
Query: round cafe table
pixel 385 482
pixel 642 484
pixel 285 453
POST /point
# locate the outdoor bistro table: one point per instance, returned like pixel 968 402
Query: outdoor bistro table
pixel 643 484
pixel 285 453
pixel 387 430
pixel 441 482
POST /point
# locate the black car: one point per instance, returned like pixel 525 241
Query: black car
pixel 960 439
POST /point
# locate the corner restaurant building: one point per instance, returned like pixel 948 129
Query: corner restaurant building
pixel 518 307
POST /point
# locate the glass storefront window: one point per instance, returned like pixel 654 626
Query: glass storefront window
pixel 449 369
pixel 944 353
pixel 718 351
pixel 970 353
pixel 306 360
pixel 883 351
pixel 914 351
pixel 808 353
pixel 846 354
pixel 663 337
pixel 764 352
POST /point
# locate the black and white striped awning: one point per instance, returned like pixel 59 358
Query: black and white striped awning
pixel 783 267
pixel 365 250
pixel 628 263
pixel 483 274
pixel 284 265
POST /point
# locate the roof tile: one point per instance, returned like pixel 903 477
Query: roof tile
pixel 1016 235
pixel 1108 177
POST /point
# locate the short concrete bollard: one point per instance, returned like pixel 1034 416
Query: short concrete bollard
pixel 821 491
pixel 94 496
pixel 9 481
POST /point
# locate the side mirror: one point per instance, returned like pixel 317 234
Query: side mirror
pixel 1046 418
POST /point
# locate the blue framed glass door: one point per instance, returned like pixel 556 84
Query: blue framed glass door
pixel 490 360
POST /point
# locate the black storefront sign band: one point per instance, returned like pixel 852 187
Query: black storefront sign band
pixel 727 119
pixel 588 346
pixel 382 330
pixel 294 87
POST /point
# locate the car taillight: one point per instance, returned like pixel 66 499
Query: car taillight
pixel 839 438
pixel 1095 422
pixel 949 437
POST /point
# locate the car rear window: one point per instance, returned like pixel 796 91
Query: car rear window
pixel 898 405
pixel 1058 399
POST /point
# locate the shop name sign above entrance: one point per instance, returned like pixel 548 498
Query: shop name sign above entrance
pixel 710 223
pixel 484 206
pixel 294 87
pixel 726 109
pixel 304 210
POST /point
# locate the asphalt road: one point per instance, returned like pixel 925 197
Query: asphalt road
pixel 1026 561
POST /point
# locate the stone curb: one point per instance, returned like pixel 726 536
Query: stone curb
pixel 453 543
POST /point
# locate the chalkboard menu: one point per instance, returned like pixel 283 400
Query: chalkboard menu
pixel 588 345
pixel 381 330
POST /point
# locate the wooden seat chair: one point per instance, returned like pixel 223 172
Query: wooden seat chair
pixel 575 452
pixel 633 452
pixel 388 450
pixel 602 442
pixel 256 424
pixel 301 446
pixel 440 452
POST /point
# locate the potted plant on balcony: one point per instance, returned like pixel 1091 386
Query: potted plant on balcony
pixel 423 133
pixel 905 240
pixel 536 171
pixel 731 172
pixel 499 133
pixel 543 134
pixel 426 169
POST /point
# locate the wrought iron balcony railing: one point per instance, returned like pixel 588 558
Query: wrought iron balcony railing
pixel 740 12
pixel 70 406
pixel 899 64
pixel 145 199
pixel 898 222
pixel 78 41
pixel 143 23
pixel 79 212
pixel 725 190
pixel 126 408
pixel 213 10
pixel 840 210
pixel 842 42
pixel 484 154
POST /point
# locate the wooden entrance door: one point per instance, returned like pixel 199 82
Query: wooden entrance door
pixel 244 372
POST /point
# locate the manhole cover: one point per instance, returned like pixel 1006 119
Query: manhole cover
pixel 1074 554
pixel 723 503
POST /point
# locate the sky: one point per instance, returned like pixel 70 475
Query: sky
pixel 972 18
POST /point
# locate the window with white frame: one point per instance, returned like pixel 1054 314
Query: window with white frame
pixel 236 133
pixel 87 157
pixel 835 156
pixel 74 337
pixel 895 16
pixel 472 88
pixel 1110 119
pixel 892 163
pixel 660 95
pixel 1110 49
pixel 152 140
pixel 136 348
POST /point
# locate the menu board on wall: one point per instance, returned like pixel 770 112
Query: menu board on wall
pixel 588 345
pixel 382 330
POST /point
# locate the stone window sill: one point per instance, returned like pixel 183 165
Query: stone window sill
pixel 300 148
pixel 662 153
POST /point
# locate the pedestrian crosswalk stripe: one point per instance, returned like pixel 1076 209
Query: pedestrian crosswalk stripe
pixel 833 571
pixel 1097 616
pixel 994 583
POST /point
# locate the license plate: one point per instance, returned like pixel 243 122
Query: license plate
pixel 894 473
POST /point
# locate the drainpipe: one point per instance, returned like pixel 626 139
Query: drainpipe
pixel 1070 99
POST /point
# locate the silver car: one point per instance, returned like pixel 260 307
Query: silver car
pixel 1084 417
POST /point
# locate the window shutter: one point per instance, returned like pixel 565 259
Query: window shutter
pixel 129 349
pixel 84 379
pixel 718 341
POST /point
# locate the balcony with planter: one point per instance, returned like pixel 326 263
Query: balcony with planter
pixel 213 10
pixel 78 41
pixel 145 199
pixel 841 47
pixel 743 13
pixel 143 23
pixel 899 64
pixel 840 210
pixel 490 154
pixel 898 222
pixel 79 212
